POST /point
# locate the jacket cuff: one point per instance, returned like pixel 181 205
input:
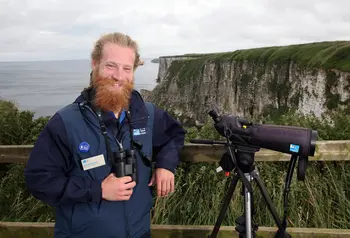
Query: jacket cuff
pixel 96 191
pixel 165 165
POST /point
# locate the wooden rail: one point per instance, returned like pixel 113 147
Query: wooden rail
pixel 193 153
pixel 338 150
pixel 171 231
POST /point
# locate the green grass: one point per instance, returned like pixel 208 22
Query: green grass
pixel 325 55
pixel 322 200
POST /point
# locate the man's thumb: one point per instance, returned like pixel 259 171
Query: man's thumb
pixel 152 180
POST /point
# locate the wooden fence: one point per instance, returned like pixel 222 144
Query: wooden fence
pixel 194 153
pixel 338 150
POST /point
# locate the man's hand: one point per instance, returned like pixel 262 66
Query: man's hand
pixel 117 189
pixel 164 180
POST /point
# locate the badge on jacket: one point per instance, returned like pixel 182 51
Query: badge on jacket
pixel 93 162
pixel 140 131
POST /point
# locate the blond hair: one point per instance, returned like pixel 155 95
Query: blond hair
pixel 116 38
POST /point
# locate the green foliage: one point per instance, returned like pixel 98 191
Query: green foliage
pixel 207 131
pixel 18 127
pixel 330 126
pixel 16 204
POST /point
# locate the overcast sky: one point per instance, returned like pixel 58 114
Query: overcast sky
pixel 67 29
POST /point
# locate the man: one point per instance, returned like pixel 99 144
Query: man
pixel 73 163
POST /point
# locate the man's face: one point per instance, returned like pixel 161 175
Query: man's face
pixel 113 77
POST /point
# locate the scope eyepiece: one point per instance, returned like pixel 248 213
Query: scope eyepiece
pixel 214 115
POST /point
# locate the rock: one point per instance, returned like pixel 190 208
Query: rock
pixel 309 78
pixel 146 94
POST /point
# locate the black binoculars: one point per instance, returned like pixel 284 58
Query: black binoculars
pixel 124 164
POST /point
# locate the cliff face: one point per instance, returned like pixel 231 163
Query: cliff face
pixel 312 78
pixel 165 62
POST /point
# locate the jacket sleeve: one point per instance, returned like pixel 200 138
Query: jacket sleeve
pixel 168 140
pixel 47 167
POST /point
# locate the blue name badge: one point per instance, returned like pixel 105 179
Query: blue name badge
pixel 294 148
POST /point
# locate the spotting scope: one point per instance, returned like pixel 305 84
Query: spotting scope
pixel 292 140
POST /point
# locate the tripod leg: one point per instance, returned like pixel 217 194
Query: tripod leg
pixel 248 210
pixel 267 198
pixel 245 226
pixel 226 202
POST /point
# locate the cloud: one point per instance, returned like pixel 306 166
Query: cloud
pixel 62 29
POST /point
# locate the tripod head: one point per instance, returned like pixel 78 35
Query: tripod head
pixel 242 156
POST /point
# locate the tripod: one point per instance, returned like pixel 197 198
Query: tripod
pixel 240 159
pixel 248 138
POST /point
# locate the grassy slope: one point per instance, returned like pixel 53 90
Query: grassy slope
pixel 326 55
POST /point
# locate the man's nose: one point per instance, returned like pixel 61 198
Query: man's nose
pixel 117 75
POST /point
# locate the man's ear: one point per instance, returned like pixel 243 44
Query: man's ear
pixel 94 65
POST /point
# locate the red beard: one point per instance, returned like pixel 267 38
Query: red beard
pixel 109 98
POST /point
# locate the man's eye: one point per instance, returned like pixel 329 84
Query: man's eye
pixel 111 66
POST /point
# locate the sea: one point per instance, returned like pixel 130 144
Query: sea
pixel 44 87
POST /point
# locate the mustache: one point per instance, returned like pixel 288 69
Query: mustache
pixel 99 82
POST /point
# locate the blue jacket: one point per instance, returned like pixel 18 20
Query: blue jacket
pixel 54 172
